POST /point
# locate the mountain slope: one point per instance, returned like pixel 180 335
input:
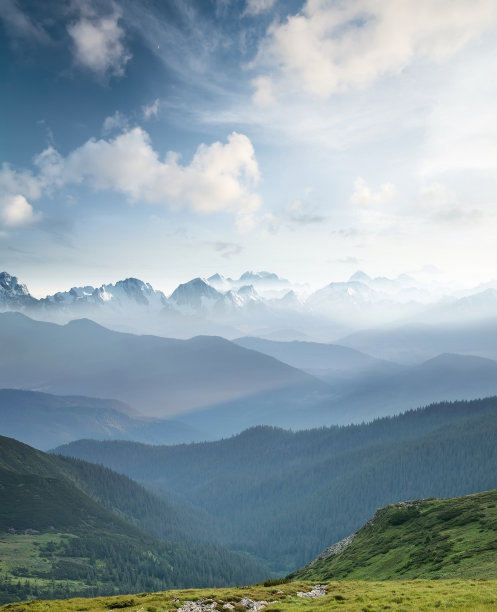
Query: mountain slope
pixel 71 544
pixel 157 376
pixel 433 538
pixel 45 420
pixel 445 377
pixel 284 496
pixel 315 357
pixel 411 344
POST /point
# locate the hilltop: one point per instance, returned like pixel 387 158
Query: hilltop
pixel 426 538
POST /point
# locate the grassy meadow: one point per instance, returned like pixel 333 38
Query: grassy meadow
pixel 361 596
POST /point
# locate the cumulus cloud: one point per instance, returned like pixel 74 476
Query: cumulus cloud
pixel 16 211
pixel 254 7
pixel 16 187
pixel 334 46
pixel 219 178
pixel 364 196
pixel 98 44
pixel 151 110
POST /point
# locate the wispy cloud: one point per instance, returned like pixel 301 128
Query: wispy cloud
pixel 330 47
pixel 227 249
pixel 151 110
pixel 19 24
pixel 255 7
pixel 115 122
pixel 98 43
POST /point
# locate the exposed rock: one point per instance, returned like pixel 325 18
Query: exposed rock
pixel 337 548
pixel 318 591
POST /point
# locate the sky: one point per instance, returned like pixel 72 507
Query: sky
pixel 170 139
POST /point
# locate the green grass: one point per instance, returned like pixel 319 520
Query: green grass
pixel 452 538
pixel 460 595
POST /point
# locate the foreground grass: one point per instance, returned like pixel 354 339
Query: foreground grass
pixel 461 595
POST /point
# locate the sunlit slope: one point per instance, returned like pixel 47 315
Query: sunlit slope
pixel 434 538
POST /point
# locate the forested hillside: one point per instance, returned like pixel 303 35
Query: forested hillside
pixel 285 496
pixel 57 540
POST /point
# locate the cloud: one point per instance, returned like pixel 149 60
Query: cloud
pixel 20 25
pixel 255 7
pixel 332 46
pixel 151 110
pixel 228 249
pixel 98 44
pixel 219 178
pixel 20 181
pixel 264 94
pixel 15 189
pixel 117 121
pixel 438 202
pixel 303 213
pixel 16 211
pixel 363 196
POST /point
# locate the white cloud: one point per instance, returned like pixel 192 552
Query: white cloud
pixel 151 110
pixel 15 189
pixel 254 7
pixel 264 94
pixel 16 211
pixel 333 46
pixel 220 177
pixel 364 196
pixel 23 181
pixel 98 44
pixel 117 121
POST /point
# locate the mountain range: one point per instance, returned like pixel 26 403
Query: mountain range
pixel 62 382
pixel 258 304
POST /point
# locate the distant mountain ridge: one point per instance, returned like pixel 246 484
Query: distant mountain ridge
pixel 206 387
pixel 45 420
pixel 156 376
pixel 257 304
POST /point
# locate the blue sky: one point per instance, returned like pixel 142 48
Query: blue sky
pixel 171 139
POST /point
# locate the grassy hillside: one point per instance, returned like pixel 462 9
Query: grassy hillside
pixel 285 496
pixel 56 541
pixel 349 596
pixel 434 538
